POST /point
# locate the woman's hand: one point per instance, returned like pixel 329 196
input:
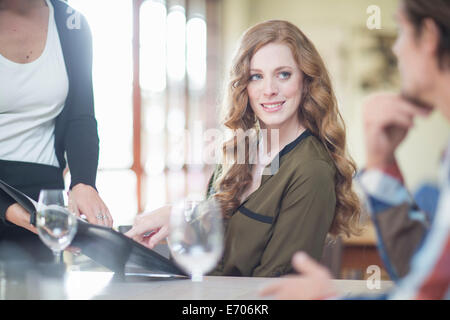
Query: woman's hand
pixel 152 227
pixel 313 283
pixel 85 200
pixel 19 216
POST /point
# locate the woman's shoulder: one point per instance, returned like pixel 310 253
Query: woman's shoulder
pixel 68 18
pixel 309 166
pixel 311 153
pixel 62 7
pixel 309 162
pixel 62 4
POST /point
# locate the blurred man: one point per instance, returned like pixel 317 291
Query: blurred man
pixel 414 251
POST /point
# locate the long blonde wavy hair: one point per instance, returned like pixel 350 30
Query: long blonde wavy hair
pixel 318 112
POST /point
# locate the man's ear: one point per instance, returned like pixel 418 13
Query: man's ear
pixel 430 36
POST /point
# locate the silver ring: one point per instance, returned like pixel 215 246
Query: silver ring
pixel 100 216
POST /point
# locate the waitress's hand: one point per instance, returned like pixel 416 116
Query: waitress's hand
pixel 151 227
pixel 85 200
pixel 19 216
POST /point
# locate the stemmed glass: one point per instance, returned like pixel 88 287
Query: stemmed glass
pixel 196 236
pixel 56 226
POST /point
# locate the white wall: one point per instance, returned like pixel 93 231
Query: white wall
pixel 338 28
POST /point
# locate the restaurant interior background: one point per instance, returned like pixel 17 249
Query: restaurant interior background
pixel 159 72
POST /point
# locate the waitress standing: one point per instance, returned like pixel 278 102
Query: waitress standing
pixel 47 116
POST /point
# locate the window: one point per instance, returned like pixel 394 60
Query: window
pixel 173 48
pixel 152 90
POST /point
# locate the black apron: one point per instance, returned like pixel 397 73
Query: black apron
pixel 29 178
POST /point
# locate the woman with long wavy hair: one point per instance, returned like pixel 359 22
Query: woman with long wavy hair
pixel 298 187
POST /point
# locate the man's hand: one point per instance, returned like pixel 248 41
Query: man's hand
pixel 313 283
pixel 85 200
pixel 19 216
pixel 387 120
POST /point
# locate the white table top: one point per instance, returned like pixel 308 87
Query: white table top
pixel 85 279
pixel 211 288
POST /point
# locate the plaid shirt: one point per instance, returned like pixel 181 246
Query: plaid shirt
pixel 429 276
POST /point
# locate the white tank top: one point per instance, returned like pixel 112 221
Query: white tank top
pixel 32 95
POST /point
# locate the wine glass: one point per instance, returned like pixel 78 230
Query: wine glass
pixel 56 226
pixel 196 236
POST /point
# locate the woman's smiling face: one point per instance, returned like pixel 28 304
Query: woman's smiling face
pixel 275 86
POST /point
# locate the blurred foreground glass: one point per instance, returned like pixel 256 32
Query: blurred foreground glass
pixel 196 236
pixel 55 224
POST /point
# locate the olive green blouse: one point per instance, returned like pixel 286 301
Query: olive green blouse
pixel 291 210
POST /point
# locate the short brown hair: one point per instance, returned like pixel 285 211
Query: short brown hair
pixel 438 11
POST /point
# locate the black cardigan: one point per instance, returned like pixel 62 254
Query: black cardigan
pixel 76 126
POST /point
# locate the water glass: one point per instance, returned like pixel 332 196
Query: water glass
pixel 56 226
pixel 196 236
